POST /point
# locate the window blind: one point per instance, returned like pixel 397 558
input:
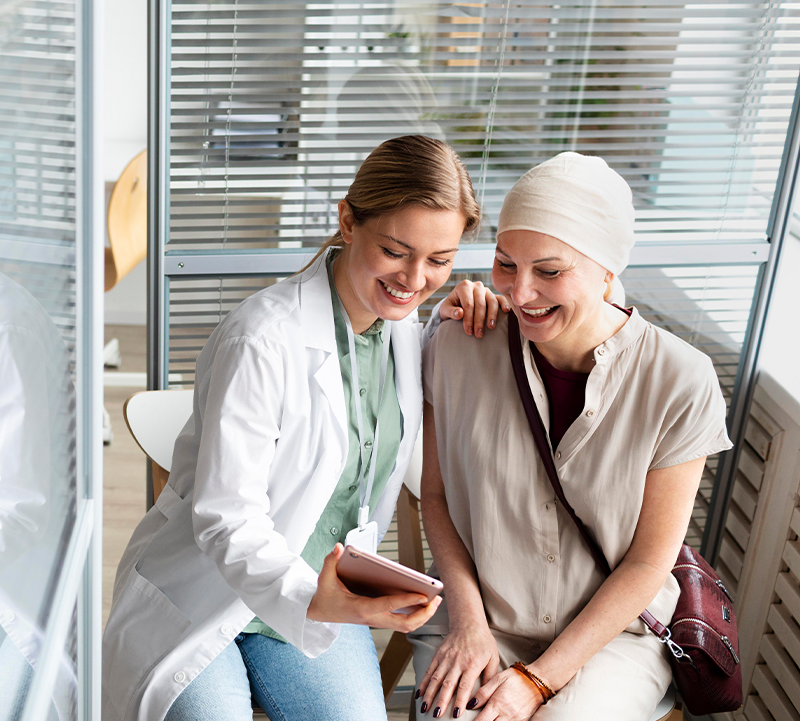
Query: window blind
pixel 37 155
pixel 274 104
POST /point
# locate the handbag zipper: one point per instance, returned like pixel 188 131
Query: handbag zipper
pixel 717 582
pixel 725 640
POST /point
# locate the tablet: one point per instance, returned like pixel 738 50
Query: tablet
pixel 368 574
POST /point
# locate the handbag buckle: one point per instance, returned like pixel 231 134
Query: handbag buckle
pixel 675 649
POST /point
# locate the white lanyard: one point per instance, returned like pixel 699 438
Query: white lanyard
pixel 365 489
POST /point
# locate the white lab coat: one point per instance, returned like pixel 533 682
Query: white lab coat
pixel 252 472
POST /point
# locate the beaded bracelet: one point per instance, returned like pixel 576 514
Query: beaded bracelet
pixel 541 686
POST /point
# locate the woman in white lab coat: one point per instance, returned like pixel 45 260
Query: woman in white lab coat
pixel 228 586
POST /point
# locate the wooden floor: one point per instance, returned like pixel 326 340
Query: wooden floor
pixel 124 474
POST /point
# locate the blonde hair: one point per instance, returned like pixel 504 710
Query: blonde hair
pixel 409 170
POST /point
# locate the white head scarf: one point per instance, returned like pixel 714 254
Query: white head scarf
pixel 581 201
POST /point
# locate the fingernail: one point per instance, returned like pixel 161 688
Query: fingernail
pixel 437 712
pixel 471 704
pixel 479 333
pixel 417 694
pixel 424 707
pixel 469 331
pixel 491 324
pixel 456 712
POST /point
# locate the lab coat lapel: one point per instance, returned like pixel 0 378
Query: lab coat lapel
pixel 316 314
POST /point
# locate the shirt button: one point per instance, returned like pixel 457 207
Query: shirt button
pixel 546 618
pixel 226 629
pixel 367 444
pixel 9 617
pixel 601 351
pixel 352 488
pixel 179 677
pixel 334 531
pixel 551 558
pixel 590 413
pixel 558 454
pixel 363 392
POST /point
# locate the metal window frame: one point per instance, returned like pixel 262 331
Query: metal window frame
pixel 163 266
pixel 777 227
pixel 80 581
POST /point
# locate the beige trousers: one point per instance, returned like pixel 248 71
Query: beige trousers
pixel 623 682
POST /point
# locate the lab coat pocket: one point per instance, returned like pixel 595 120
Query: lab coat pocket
pixel 144 627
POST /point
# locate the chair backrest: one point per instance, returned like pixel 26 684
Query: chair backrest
pixel 127 222
pixel 155 418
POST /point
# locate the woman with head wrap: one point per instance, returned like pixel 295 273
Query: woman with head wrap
pixel 631 412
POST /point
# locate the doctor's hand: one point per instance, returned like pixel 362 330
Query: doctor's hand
pixel 334 603
pixel 465 655
pixel 475 305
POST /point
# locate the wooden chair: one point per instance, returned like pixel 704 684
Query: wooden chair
pixel 127 222
pixel 155 418
pixel 127 237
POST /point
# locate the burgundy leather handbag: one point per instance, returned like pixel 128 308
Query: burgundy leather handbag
pixel 702 638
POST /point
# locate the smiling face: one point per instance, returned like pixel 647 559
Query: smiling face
pixel 393 263
pixel 555 291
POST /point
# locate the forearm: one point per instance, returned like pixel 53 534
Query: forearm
pixel 455 565
pixel 618 602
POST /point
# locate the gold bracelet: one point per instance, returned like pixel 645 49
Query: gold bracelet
pixel 546 692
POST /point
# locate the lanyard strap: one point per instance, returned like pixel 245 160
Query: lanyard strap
pixel 365 487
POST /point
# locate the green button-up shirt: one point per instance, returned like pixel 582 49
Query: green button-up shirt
pixel 341 514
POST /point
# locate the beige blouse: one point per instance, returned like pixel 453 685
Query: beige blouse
pixel 652 401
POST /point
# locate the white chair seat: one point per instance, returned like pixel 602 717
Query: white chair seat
pixel 665 706
pixel 155 418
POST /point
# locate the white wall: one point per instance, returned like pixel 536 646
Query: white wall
pixel 780 349
pixel 125 127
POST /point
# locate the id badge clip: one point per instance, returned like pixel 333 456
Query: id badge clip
pixel 365 536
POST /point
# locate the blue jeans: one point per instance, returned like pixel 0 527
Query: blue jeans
pixel 343 684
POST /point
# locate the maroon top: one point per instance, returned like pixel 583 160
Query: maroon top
pixel 566 392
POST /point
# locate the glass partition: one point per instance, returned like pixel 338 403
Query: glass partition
pixel 263 113
pixel 49 270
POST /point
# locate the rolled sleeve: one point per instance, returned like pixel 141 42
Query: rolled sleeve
pixel 695 425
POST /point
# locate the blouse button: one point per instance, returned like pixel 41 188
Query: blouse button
pixel 334 530
pixel 558 454
pixel 352 488
pixel 550 557
pixel 9 617
pixel 367 444
pixel 590 413
pixel 601 351
pixel 226 629
pixel 363 392
pixel 546 618
pixel 179 677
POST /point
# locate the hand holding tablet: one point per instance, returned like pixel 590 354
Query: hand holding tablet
pixel 369 574
pixel 372 591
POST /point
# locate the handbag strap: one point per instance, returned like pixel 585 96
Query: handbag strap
pixel 537 428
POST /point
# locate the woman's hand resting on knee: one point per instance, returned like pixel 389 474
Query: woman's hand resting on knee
pixel 334 603
pixel 466 654
pixel 509 696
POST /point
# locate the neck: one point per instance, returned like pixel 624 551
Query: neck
pixel 575 352
pixel 360 317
